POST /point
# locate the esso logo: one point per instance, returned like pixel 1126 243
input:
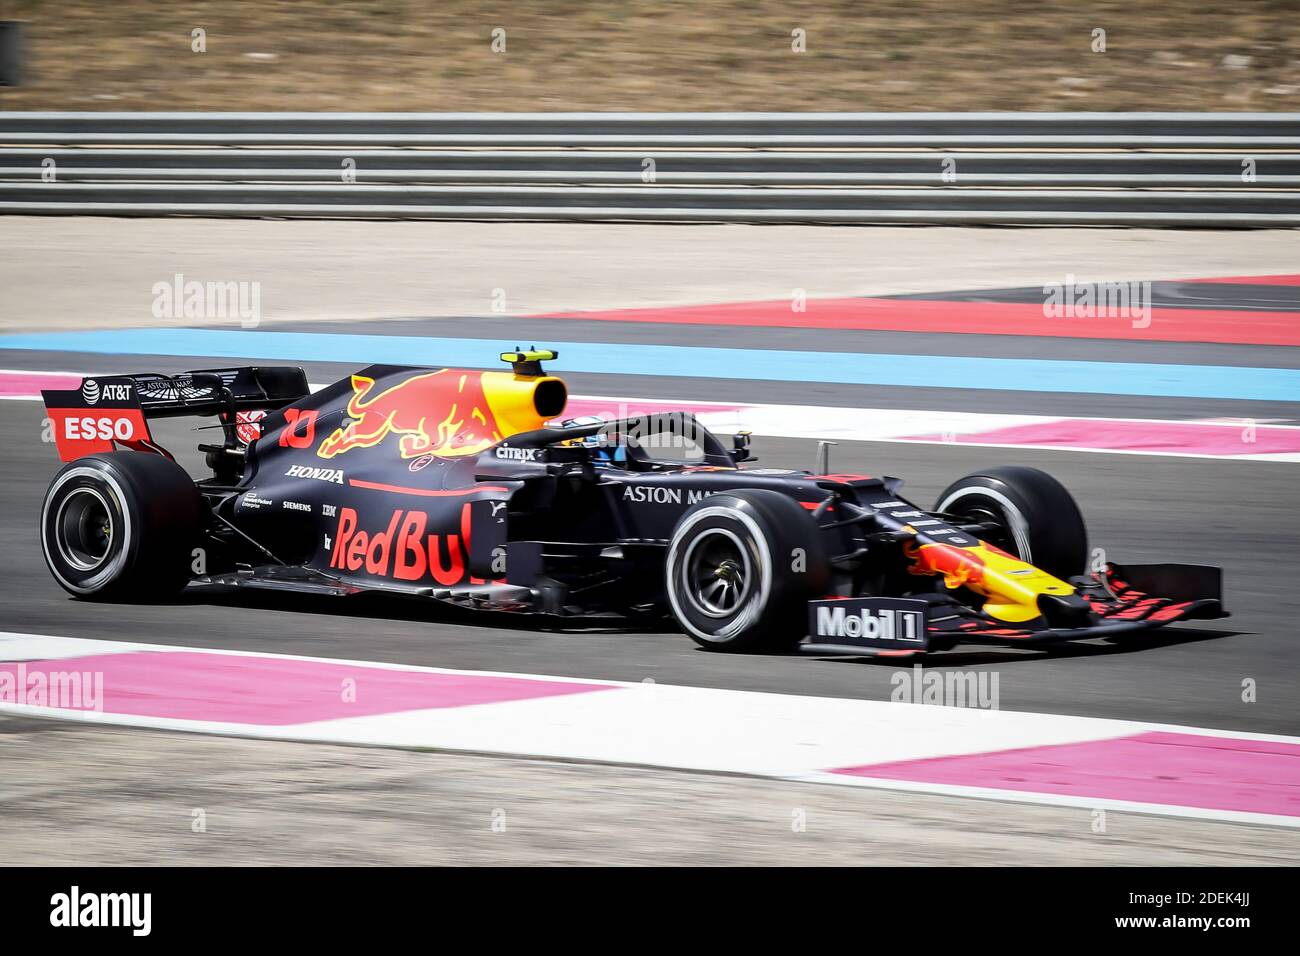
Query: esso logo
pixel 101 429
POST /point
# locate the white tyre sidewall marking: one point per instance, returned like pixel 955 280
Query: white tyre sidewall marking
pixel 110 569
pixel 1015 517
pixel 764 562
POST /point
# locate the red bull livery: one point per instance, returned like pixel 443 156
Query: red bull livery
pixel 470 487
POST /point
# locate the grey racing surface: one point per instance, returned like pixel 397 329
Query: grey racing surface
pixel 1237 514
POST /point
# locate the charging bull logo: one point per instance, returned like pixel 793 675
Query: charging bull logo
pixel 443 413
pixel 1010 586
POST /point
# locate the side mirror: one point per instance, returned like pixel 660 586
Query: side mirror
pixel 740 448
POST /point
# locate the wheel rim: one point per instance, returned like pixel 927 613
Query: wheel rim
pixel 1002 537
pixel 718 573
pixel 85 529
pixel 984 504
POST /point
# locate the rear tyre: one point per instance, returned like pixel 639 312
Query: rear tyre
pixel 1038 519
pixel 121 526
pixel 741 567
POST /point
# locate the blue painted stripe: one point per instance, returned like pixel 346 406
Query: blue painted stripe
pixel 933 371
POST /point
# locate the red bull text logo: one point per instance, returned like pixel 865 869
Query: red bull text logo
pixel 443 413
pixel 403 550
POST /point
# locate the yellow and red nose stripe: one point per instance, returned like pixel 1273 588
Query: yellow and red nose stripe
pixel 1010 587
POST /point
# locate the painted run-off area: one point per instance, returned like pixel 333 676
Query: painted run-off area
pixel 1119 764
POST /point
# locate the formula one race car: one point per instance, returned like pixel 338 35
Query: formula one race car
pixel 469 487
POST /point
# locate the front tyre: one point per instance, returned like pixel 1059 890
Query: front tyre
pixel 1037 518
pixel 741 567
pixel 121 526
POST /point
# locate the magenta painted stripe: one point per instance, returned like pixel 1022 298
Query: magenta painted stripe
pixel 1192 438
pixel 29 384
pixel 1182 770
pixel 186 685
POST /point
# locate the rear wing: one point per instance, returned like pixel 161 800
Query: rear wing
pixel 112 410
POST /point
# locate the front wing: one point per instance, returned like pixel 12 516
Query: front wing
pixel 1121 600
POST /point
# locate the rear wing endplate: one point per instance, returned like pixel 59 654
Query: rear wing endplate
pixel 108 411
